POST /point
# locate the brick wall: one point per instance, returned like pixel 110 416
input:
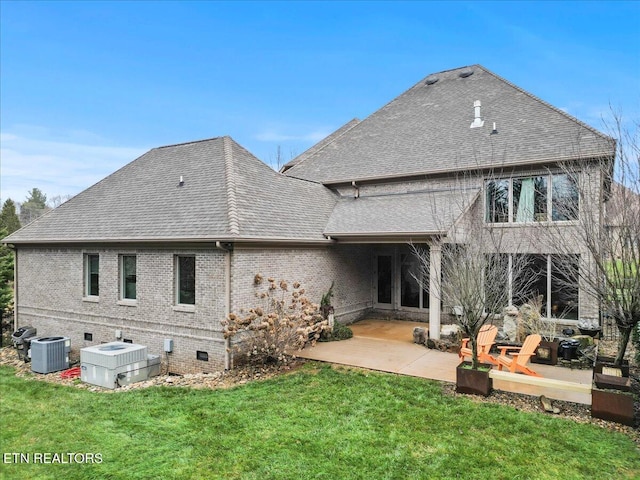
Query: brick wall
pixel 50 297
pixel 51 294
pixel 349 266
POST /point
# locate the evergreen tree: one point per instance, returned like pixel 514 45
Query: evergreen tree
pixel 6 275
pixel 8 217
pixel 37 198
pixel 34 206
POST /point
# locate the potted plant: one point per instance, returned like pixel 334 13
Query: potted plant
pixel 472 274
pixel 473 288
pixel 611 397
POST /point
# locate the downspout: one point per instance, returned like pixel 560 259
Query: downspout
pixel 227 301
pixel 15 289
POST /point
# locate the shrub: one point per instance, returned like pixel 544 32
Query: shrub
pixel 283 322
pixel 325 302
pixel 339 332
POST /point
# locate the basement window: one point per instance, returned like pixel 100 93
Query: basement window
pixel 204 356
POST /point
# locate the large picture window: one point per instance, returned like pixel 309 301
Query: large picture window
pixel 552 277
pixel 564 198
pixel 411 295
pixel 128 277
pixel 529 199
pixel 185 280
pixel 497 201
pixel 91 275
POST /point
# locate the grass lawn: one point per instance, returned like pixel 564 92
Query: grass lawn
pixel 319 422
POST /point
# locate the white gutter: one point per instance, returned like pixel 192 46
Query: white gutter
pixel 227 301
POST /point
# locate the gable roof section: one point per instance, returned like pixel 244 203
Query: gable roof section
pixel 427 130
pixel 399 214
pixel 227 195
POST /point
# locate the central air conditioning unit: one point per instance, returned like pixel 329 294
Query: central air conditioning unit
pixel 50 354
pixel 113 364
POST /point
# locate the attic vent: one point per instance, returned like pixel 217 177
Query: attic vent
pixel 477 121
pixel 465 73
pixel 431 80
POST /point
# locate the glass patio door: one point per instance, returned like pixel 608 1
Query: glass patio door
pixel 384 281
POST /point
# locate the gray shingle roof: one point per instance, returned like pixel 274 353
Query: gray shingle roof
pixel 321 144
pixel 228 194
pixel 427 130
pixel 404 214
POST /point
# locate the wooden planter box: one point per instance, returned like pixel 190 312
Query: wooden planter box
pixel 475 382
pixel 608 362
pixel 546 353
pixel 612 405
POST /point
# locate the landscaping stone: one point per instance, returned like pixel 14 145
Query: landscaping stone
pixel 419 335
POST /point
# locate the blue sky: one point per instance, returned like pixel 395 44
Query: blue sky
pixel 86 87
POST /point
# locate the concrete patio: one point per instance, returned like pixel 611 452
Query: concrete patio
pixel 387 345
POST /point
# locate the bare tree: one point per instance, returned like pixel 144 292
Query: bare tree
pixel 56 201
pixel 478 260
pixel 606 222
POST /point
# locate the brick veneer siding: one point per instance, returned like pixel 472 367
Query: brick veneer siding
pixel 50 297
pixel 51 294
pixel 349 266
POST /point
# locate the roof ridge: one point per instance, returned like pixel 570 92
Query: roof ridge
pixel 232 205
pixel 187 143
pixel 360 122
pixel 547 104
pixel 310 152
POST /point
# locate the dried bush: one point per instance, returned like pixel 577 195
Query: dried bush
pixel 532 321
pixel 284 321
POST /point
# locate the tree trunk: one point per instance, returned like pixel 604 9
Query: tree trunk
pixel 474 352
pixel 625 333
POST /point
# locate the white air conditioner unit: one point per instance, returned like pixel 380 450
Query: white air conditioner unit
pixel 113 364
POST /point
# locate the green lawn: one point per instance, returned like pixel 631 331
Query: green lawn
pixel 319 422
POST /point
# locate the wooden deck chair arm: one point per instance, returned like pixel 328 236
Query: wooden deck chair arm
pixel 504 348
pixel 465 341
pixel 515 355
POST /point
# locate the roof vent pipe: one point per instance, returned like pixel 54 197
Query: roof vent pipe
pixel 356 194
pixel 477 121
